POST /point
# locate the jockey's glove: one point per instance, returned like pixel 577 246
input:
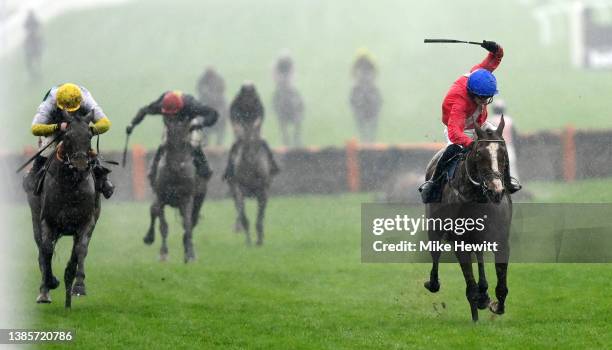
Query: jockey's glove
pixel 490 46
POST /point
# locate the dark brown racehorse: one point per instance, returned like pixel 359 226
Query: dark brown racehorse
pixel 68 205
pixel 477 191
pixel 177 184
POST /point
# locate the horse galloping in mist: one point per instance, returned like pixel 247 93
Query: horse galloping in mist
pixel 177 184
pixel 251 178
pixel 68 205
pixel 477 191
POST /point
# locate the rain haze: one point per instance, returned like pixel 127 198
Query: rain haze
pixel 351 112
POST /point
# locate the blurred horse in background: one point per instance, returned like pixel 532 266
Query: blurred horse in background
pixel 252 178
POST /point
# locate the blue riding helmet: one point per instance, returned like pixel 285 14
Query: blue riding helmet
pixel 481 82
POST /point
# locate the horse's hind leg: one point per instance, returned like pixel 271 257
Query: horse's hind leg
pixel 483 285
pixel 471 289
pixel 45 253
pixel 501 290
pixel 262 201
pixel 163 229
pixel 186 212
pixel 149 238
pixel 433 285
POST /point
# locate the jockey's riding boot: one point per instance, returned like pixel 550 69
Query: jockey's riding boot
pixel 201 163
pixel 229 170
pixel 153 168
pixel 512 183
pixel 30 181
pixel 431 190
pixel 274 169
pixel 103 184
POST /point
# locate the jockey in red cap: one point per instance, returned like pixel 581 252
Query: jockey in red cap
pixel 177 106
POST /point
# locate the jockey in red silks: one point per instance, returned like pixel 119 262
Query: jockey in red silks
pixel 465 103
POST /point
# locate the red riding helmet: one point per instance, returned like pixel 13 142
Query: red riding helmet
pixel 172 102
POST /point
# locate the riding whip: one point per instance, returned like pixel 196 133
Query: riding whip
pixel 39 152
pixel 450 41
pixel 127 140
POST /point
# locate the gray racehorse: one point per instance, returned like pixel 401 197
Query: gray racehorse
pixel 177 184
pixel 252 178
pixel 68 205
pixel 477 191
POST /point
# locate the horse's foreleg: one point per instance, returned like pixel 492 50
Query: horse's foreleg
pixel 70 273
pixel 198 200
pixel 163 229
pixel 241 219
pixel 501 290
pixel 149 238
pixel 186 212
pixel 297 138
pixel 471 289
pixel 242 223
pixel 81 247
pixel 433 285
pixel 262 201
pixel 284 132
pixel 483 285
pixel 45 253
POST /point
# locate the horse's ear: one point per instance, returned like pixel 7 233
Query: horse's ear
pixel 500 127
pixel 481 134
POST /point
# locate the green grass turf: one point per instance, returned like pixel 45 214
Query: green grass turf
pixel 127 55
pixel 305 288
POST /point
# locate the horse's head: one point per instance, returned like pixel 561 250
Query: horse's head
pixel 76 144
pixel 488 159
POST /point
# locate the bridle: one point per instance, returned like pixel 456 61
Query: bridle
pixel 68 161
pixel 481 184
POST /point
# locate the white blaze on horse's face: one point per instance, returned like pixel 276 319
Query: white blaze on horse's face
pixel 493 147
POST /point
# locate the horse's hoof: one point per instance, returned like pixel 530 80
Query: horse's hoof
pixel 432 287
pixel 54 283
pixel 163 257
pixel 43 298
pixel 484 302
pixel 148 239
pixel 190 259
pixel 79 290
pixel 259 243
pixel 497 308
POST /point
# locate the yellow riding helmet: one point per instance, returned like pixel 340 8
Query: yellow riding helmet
pixel 69 97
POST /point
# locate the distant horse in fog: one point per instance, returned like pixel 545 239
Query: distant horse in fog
pixel 289 108
pixel 252 178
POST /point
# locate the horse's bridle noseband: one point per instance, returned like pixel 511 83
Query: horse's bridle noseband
pixel 495 174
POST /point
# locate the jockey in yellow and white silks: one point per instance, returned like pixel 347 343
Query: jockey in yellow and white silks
pixel 59 106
